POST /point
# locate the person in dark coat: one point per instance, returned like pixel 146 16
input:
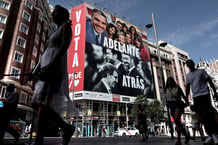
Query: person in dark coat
pixel 142 121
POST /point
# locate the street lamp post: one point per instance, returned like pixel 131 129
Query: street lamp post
pixel 161 68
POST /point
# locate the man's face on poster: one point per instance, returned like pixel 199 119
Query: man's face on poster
pixel 126 59
pixel 113 18
pixel 119 26
pixel 99 23
pixel 113 79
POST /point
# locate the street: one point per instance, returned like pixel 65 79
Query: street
pixel 163 140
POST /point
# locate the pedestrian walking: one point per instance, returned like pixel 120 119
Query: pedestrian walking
pixel 174 94
pixel 51 89
pixel 7 113
pixel 198 80
pixel 142 122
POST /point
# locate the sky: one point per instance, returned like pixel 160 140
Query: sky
pixel 190 25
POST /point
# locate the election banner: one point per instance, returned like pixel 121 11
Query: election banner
pixel 108 55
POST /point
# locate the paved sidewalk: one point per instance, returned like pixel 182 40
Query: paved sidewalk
pixel 110 141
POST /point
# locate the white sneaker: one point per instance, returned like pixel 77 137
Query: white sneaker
pixel 208 141
pixel 215 139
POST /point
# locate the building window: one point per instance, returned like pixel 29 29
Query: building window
pixel 24 28
pixel 38 27
pixel 37 39
pixel 33 64
pixel 26 16
pixel 1 33
pixel 23 98
pixel 5 5
pixel 15 72
pixel 3 91
pixel 34 51
pixel 42 47
pixel 3 18
pixel 21 42
pixel 29 4
pixel 18 56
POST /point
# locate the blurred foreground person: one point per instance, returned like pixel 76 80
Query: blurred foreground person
pixel 7 113
pixel 196 124
pixel 176 105
pixel 51 90
pixel 198 80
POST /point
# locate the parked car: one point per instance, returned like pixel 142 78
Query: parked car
pixel 130 131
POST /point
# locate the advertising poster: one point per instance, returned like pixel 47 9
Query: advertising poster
pixel 116 61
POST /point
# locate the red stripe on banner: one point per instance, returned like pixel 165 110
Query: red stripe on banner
pixel 77 49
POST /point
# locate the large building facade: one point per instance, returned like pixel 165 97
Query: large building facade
pixel 24 28
pixel 100 110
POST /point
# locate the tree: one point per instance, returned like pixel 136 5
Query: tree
pixel 153 108
pixel 141 99
pixel 156 111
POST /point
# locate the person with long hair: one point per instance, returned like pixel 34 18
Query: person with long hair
pixel 51 89
pixel 144 53
pixel 133 31
pixel 111 30
pixel 174 94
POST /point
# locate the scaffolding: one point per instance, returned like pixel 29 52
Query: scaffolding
pixel 104 121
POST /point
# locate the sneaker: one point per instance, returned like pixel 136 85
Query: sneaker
pixel 178 143
pixel 16 139
pixel 208 141
pixel 143 140
pixel 203 139
pixel 215 139
pixel 187 140
pixel 33 143
pixel 67 135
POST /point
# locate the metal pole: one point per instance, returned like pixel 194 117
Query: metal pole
pixel 127 119
pixel 27 74
pixel 162 75
pixel 73 84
